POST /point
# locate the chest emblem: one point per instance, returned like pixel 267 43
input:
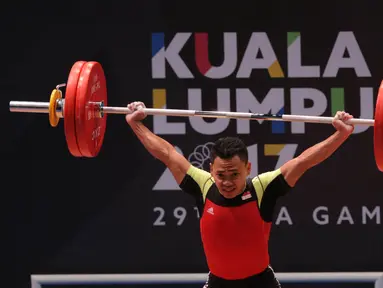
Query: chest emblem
pixel 246 195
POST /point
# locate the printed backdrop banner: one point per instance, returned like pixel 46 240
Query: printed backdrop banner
pixel 290 72
pixel 122 212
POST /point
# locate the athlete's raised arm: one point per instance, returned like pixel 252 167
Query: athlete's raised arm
pixel 157 146
pixel 312 156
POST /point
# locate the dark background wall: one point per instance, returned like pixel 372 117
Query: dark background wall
pixel 72 215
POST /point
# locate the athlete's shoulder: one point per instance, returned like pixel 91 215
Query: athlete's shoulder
pixel 197 173
pixel 271 180
pixel 196 181
pixel 269 186
pixel 267 177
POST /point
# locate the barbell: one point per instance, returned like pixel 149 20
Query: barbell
pixel 85 110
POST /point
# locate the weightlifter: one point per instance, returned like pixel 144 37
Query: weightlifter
pixel 237 210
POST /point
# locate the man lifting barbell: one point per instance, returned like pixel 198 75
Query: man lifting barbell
pixel 237 210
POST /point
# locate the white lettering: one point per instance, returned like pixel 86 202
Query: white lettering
pixel 303 101
pixel 230 58
pixel 246 101
pixel 162 126
pixel 345 216
pixel 283 215
pixel 198 123
pixel 96 86
pixel 259 41
pixel 366 108
pixel 324 218
pixel 180 214
pixel 295 67
pixel 96 133
pixel 298 97
pixel 286 154
pixel 171 54
pixel 166 180
pixel 346 41
pixel 366 213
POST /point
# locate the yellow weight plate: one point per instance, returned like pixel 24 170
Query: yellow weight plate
pixel 53 118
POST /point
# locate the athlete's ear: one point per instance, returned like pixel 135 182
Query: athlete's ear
pixel 248 168
pixel 211 167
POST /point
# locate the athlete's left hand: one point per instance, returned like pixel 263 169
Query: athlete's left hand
pixel 339 122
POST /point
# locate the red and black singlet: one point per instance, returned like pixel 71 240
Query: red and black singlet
pixel 235 232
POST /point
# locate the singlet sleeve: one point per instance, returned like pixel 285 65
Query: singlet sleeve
pixel 196 182
pixel 269 186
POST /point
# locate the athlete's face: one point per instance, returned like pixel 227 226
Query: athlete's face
pixel 230 175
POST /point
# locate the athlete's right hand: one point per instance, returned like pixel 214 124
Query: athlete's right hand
pixel 138 114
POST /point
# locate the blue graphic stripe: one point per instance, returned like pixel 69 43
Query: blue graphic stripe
pixel 158 40
pixel 278 127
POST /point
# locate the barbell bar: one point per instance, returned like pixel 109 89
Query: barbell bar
pixel 84 109
pixel 43 107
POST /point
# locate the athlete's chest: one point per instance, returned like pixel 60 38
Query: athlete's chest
pixel 228 225
pixel 224 221
pixel 246 214
pixel 240 211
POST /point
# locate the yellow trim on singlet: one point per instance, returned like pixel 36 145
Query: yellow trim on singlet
pixel 205 181
pixel 261 181
pixel 202 178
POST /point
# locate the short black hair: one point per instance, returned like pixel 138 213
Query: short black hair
pixel 228 147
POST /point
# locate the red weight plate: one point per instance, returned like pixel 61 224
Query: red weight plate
pixel 90 127
pixel 378 129
pixel 70 108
